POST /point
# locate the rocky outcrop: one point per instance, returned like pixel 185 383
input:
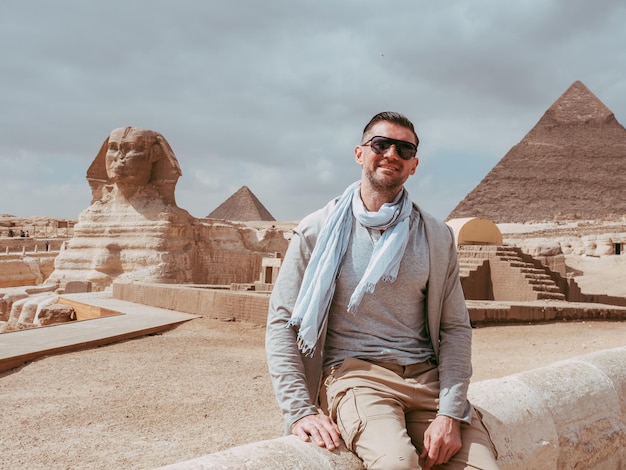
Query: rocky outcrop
pixel 55 313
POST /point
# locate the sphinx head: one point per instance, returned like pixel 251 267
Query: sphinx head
pixel 131 158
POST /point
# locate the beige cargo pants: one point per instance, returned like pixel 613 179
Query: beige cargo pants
pixel 383 411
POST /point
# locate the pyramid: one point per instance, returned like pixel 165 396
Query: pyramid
pixel 242 206
pixel 571 165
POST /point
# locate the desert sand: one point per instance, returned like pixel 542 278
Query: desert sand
pixel 203 387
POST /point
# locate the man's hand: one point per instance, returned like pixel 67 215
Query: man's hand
pixel 320 428
pixel 442 440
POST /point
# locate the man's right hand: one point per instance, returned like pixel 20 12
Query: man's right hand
pixel 320 428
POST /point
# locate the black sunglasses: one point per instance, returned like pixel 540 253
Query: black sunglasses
pixel 379 144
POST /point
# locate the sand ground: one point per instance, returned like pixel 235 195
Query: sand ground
pixel 203 387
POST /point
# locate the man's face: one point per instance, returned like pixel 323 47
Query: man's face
pixel 128 158
pixel 386 171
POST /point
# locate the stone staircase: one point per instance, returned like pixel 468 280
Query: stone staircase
pixel 512 274
pixel 467 266
pixel 535 274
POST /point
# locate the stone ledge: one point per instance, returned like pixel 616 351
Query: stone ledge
pixel 283 453
pixel 570 414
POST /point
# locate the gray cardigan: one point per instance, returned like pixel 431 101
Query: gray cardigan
pixel 296 378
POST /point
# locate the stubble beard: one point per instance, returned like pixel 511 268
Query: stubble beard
pixel 389 185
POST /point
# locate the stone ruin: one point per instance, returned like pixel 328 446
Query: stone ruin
pixel 134 231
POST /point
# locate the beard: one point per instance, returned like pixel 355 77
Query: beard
pixel 384 183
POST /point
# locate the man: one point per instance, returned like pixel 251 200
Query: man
pixel 368 336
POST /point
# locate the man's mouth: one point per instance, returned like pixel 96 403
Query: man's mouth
pixel 388 167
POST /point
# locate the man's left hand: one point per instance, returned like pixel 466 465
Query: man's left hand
pixel 442 440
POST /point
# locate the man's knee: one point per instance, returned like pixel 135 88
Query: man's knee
pixel 394 458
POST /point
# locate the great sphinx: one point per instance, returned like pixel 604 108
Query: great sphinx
pixel 133 229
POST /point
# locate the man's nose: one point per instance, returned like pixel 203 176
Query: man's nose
pixel 392 151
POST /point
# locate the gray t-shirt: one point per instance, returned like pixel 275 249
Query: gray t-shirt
pixel 390 323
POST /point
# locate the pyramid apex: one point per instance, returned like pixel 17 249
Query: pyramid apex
pixel 578 105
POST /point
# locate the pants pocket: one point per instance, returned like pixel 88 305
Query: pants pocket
pixel 345 412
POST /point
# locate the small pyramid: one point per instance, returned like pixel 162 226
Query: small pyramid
pixel 242 206
pixel 571 165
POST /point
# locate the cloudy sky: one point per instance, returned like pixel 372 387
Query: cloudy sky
pixel 274 94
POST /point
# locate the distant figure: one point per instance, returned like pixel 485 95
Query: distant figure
pixel 11 234
pixel 47 246
pixel 22 234
pixel 27 234
pixel 132 159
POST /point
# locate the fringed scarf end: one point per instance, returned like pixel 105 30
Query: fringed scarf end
pixel 294 321
pixel 307 349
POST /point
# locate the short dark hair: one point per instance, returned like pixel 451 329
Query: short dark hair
pixel 396 118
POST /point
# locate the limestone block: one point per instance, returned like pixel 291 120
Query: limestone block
pixel 541 247
pixel 571 245
pixel 56 313
pixel 77 287
pixel 7 299
pixel 31 307
pixel 285 453
pixel 16 310
pixel 43 304
pixel 566 415
pixel 16 272
pixel 594 245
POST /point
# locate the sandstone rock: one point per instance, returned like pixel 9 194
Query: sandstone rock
pixel 56 313
pixel 77 287
pixel 7 298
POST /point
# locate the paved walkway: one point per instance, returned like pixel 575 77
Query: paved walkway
pixel 19 347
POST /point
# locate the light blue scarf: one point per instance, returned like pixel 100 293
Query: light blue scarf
pixel 315 295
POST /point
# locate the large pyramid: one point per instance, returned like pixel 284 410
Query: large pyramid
pixel 242 206
pixel 571 165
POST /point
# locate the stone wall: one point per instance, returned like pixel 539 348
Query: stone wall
pixel 28 269
pixel 252 306
pixel 223 304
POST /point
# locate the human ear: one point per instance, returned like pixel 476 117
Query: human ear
pixel 358 154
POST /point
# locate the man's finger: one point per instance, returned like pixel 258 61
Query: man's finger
pixel 432 458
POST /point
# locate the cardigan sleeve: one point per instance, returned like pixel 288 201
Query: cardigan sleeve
pixel 449 324
pixel 294 387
